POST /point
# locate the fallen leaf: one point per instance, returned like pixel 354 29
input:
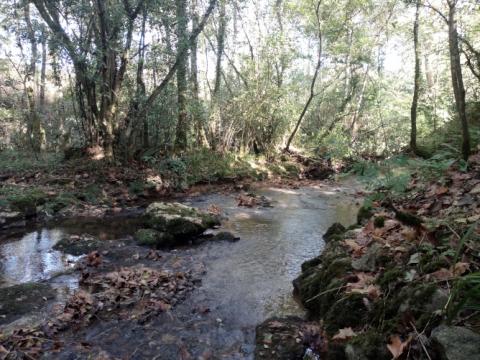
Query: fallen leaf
pixel 397 346
pixel 344 334
pixel 460 268
pixel 441 275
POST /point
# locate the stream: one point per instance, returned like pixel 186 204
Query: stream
pixel 243 282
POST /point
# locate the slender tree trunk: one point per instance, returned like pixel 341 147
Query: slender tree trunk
pixel 416 89
pixel 457 77
pixel 220 47
pixel 34 126
pixel 197 116
pixel 182 86
pixel 43 72
pixel 314 79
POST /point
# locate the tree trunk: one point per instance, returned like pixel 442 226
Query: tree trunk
pixel 43 72
pixel 416 88
pixel 314 79
pixel 182 123
pixel 220 47
pixel 34 126
pixel 457 77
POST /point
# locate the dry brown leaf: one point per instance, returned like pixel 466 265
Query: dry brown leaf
pixel 214 209
pixel 354 247
pixel 460 268
pixel 441 190
pixel 344 334
pixel 397 346
pixel 441 275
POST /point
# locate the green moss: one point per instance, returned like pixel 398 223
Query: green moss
pixel 364 214
pixel 27 200
pixel 379 221
pixel 153 238
pixel 311 263
pixel 390 277
pixel 60 202
pixel 349 311
pixel 334 232
pixel 434 264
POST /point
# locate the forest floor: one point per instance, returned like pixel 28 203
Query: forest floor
pixel 401 283
pixel 36 190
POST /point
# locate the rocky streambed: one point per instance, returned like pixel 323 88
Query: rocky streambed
pixel 122 287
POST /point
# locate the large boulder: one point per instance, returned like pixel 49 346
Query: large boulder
pixel 456 343
pixel 179 221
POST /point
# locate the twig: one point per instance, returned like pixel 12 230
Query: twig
pixel 325 292
pixel 421 341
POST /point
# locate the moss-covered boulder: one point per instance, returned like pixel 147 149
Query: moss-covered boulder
pixel 77 245
pixel 334 232
pixel 153 238
pixel 180 221
pixel 19 300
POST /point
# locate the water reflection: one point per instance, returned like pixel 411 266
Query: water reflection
pixel 32 258
pixel 250 280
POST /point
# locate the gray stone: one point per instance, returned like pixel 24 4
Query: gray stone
pixel 368 261
pixel 456 342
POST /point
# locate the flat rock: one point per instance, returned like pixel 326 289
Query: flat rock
pixel 22 299
pixel 456 342
pixel 178 220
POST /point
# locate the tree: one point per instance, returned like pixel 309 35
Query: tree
pixel 456 72
pixel 314 79
pixel 417 77
pixel 182 85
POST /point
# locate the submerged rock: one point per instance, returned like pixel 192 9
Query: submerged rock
pixel 77 245
pixel 456 343
pixel 18 300
pixel 178 220
pixel 287 338
pixel 225 236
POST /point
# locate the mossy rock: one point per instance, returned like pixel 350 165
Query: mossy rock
pixel 334 232
pixel 364 214
pixel 180 221
pixel 311 263
pixel 368 345
pixel 77 246
pixel 154 238
pixel 348 311
pixel 22 299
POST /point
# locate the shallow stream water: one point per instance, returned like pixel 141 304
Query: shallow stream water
pixel 244 283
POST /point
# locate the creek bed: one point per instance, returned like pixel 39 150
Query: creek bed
pixel 242 283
